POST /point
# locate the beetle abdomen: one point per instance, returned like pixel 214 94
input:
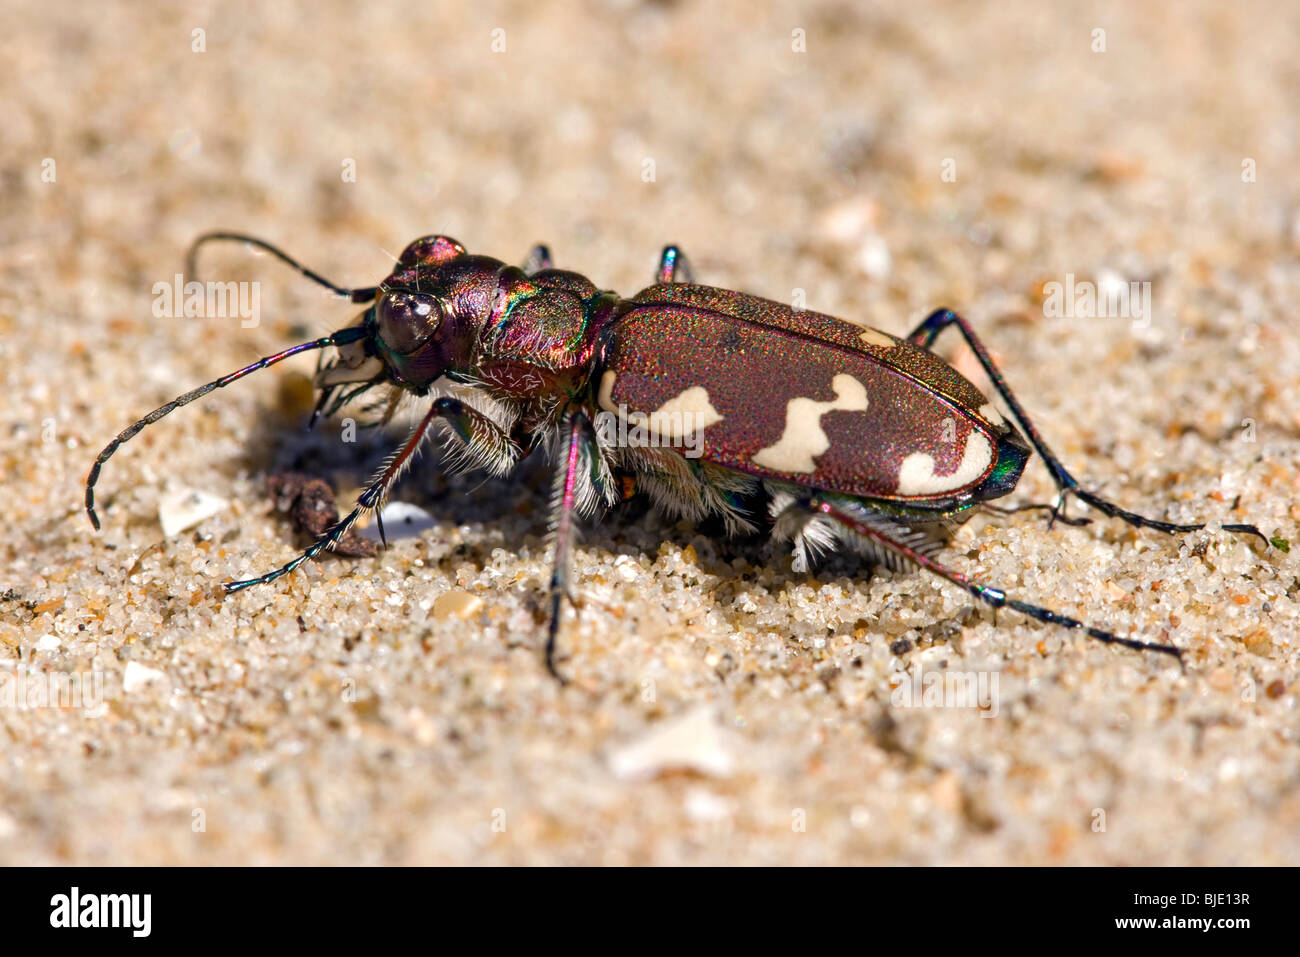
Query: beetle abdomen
pixel 798 396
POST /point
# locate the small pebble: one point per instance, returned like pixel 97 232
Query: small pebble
pixel 705 806
pixel 849 220
pixel 138 676
pixel 874 258
pixel 456 604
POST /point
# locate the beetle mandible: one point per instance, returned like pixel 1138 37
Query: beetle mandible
pixel 829 433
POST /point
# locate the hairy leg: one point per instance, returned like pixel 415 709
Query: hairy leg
pixel 578 451
pixel 461 418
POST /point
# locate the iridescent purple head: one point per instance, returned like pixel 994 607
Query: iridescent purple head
pixel 429 313
pixel 426 319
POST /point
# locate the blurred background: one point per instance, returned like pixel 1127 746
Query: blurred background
pixel 878 160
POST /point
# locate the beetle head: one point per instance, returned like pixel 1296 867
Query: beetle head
pixel 426 317
pixel 420 323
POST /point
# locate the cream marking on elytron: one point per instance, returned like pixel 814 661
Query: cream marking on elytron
pixel 677 420
pixel 606 397
pixel 680 418
pixel 873 337
pixel 803 438
pixel 990 414
pixel 916 474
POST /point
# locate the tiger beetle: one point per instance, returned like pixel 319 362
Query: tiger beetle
pixel 826 433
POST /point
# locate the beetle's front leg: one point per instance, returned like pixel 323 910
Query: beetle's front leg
pixel 479 433
pixel 924 336
pixel 484 444
pixel 674 266
pixel 578 473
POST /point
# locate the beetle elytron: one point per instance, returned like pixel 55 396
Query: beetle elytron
pixel 830 433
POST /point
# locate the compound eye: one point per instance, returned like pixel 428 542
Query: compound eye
pixel 406 320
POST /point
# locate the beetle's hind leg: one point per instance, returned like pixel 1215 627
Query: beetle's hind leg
pixel 1057 514
pixel 674 266
pixel 924 336
pixel 888 536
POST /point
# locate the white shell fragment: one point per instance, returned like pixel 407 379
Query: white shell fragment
pixel 693 742
pixel 401 520
pixel 184 508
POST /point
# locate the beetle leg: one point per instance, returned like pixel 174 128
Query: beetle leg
pixel 578 451
pixel 539 258
pixel 460 417
pixel 924 336
pixel 1057 514
pixel 484 444
pixel 674 266
pixel 326 394
pixel 890 537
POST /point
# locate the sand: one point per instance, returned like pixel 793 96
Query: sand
pixel 723 708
